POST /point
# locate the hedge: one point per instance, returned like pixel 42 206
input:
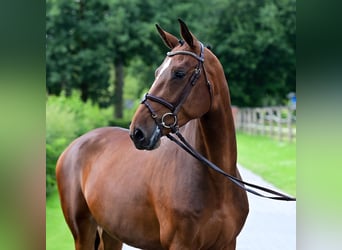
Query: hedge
pixel 66 119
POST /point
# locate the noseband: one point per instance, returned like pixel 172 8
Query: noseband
pixel 174 108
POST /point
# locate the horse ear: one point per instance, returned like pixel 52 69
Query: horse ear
pixel 170 40
pixel 186 34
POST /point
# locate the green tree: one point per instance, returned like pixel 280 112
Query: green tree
pixel 76 49
pixel 255 43
pixel 84 38
pixel 91 43
pixel 59 44
pixel 129 26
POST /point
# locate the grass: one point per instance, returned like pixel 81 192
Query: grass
pixel 274 160
pixel 58 235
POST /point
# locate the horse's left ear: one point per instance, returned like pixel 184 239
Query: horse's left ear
pixel 170 40
pixel 186 34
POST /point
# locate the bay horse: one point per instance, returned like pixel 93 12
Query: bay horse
pixel 149 193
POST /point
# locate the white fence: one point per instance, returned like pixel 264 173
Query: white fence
pixel 278 122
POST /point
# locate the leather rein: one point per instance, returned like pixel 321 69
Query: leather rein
pixel 173 126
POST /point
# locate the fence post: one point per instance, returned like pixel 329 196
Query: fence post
pixel 248 116
pixel 280 129
pixel 289 123
pixel 253 116
pixel 270 115
pixel 262 119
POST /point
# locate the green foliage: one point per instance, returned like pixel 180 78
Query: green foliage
pixel 77 53
pixel 87 40
pixel 255 42
pixel 66 119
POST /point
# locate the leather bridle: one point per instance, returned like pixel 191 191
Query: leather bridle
pixel 174 108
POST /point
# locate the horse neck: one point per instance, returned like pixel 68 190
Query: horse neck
pixel 217 139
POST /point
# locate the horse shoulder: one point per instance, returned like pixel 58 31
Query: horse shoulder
pixel 76 160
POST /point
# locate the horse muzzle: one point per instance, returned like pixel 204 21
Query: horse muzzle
pixel 144 140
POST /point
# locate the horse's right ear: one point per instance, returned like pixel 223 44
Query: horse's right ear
pixel 170 40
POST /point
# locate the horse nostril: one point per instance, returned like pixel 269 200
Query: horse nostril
pixel 138 135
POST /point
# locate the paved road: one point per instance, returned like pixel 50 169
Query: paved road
pixel 271 225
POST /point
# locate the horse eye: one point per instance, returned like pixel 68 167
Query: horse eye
pixel 179 74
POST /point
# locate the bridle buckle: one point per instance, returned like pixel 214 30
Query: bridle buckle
pixel 170 125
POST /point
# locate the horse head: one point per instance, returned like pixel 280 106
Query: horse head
pixel 180 92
